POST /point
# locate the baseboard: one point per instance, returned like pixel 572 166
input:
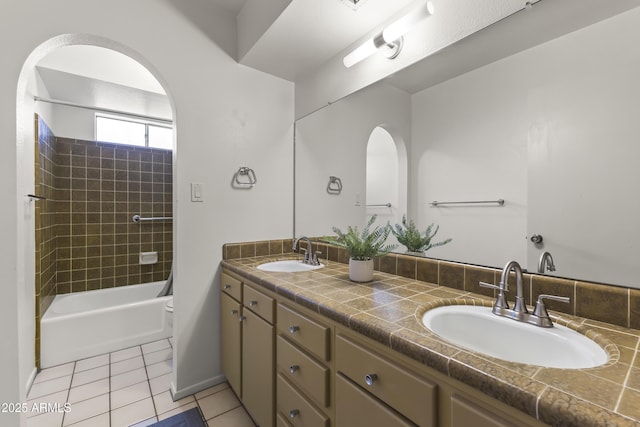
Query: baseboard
pixel 193 389
pixel 30 380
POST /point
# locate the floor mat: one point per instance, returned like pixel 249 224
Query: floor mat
pixel 190 418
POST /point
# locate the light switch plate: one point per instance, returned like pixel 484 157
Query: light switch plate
pixel 197 192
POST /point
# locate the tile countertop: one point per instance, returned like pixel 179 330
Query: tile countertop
pixel 389 310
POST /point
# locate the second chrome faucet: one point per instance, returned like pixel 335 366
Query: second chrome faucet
pixel 519 312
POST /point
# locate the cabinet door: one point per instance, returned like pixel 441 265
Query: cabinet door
pixel 258 338
pixel 464 413
pixel 357 408
pixel 231 341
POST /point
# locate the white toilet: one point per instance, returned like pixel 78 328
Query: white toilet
pixel 169 315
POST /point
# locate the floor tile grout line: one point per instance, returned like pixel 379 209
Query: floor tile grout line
pixel 64 414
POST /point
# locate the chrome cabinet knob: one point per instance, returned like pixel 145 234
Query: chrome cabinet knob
pixel 294 413
pixel 370 379
pixel 293 368
pixel 253 303
pixel 226 287
pixel 293 329
pixel 241 318
pixel 234 312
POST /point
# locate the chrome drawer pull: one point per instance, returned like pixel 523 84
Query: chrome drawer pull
pixel 234 312
pixel 293 368
pixel 226 287
pixel 370 379
pixel 294 413
pixel 241 318
pixel 294 329
pixel 252 303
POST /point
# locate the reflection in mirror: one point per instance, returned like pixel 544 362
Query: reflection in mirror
pixel 551 130
pixel 385 192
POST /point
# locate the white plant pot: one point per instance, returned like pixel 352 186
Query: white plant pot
pixel 360 271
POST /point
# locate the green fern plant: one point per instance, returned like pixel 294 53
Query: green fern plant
pixel 366 244
pixel 408 235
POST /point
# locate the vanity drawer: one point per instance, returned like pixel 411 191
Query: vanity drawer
pixel 357 408
pixel 307 333
pixel 303 371
pixel 409 394
pixel 281 421
pixel 259 303
pixel 231 286
pixel 296 409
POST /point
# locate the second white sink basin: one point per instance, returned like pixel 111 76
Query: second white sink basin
pixel 288 266
pixel 478 329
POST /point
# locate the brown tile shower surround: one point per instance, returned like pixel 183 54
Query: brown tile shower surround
pixel 85 238
pixel 387 310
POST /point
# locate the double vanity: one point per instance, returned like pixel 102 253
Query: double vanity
pixel 305 346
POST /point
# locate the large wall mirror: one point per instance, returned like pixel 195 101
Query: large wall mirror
pixel 552 130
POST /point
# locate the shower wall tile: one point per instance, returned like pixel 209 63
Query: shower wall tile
pixel 101 186
pixel 85 238
pixel 45 223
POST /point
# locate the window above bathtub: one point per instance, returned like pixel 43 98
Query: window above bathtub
pixel 130 131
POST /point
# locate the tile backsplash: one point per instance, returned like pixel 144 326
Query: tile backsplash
pixel 601 302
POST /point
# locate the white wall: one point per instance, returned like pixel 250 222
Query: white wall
pixel 79 123
pixel 333 142
pixel 226 116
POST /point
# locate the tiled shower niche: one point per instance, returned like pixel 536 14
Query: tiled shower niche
pixel 95 189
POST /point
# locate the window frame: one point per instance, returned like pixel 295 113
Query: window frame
pixel 147 123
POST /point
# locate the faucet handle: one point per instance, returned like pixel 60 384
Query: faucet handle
pixel 316 259
pixel 492 286
pixel 501 302
pixel 540 310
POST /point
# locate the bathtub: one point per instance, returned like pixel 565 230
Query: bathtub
pixel 86 324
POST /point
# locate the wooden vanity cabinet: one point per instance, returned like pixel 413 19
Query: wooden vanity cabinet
pixel 378 383
pixel 248 347
pixel 231 332
pixel 304 371
pixel 292 367
pixel 466 413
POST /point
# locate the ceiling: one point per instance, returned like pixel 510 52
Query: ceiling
pixel 310 32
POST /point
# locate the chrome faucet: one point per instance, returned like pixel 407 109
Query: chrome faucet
pixel 519 312
pixel 310 257
pixel 546 263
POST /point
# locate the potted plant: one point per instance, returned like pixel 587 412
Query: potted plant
pixel 408 235
pixel 363 246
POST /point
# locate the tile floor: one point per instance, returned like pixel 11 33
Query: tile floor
pixel 125 388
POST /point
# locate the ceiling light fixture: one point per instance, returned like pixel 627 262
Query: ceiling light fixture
pixel 391 37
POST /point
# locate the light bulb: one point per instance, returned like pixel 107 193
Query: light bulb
pixel 363 51
pixel 403 25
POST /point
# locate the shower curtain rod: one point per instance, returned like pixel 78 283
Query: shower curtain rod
pixel 104 110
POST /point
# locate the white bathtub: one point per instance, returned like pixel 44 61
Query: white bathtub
pixel 86 324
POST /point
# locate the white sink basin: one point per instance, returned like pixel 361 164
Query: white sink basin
pixel 288 266
pixel 478 329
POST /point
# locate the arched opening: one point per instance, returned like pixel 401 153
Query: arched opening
pixel 79 235
pixel 386 179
